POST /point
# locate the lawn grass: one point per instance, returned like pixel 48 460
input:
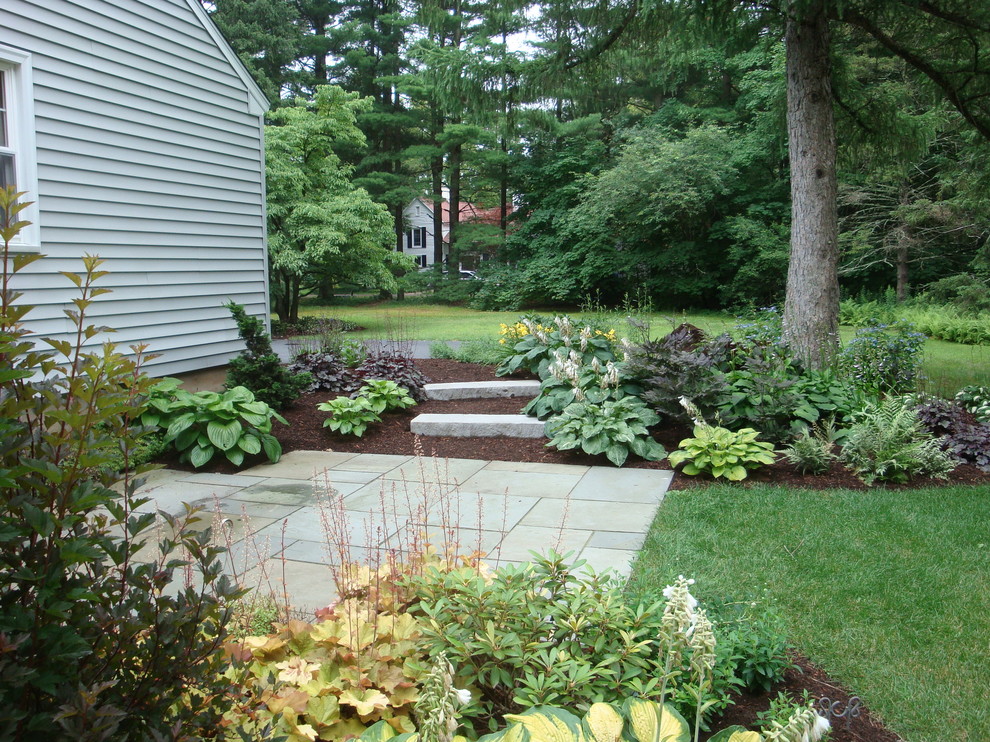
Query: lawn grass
pixel 947 366
pixel 886 590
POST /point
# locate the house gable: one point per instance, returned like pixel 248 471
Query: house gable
pixel 149 150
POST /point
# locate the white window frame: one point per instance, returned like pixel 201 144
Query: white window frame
pixel 15 66
pixel 417 238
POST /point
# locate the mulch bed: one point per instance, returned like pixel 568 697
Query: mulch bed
pixel 306 432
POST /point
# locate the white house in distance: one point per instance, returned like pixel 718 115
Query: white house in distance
pixel 418 219
pixel 140 137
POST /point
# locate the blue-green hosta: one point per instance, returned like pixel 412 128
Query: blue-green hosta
pixel 722 452
pixel 201 424
pixel 976 399
pixel 384 395
pixel 349 416
pixel 614 428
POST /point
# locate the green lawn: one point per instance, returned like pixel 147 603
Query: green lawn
pixel 886 590
pixel 948 366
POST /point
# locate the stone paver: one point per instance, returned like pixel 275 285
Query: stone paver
pixel 479 426
pixel 598 514
pixel 482 390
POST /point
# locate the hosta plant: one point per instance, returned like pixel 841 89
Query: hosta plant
pixel 201 424
pixel 569 379
pixel 349 416
pixel 889 443
pixel 614 428
pixel 722 453
pixel 641 720
pixel 976 399
pixel 539 344
pixel 383 395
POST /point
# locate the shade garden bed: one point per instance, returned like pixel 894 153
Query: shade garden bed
pixel 305 432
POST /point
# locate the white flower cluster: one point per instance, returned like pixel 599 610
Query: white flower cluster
pixel 805 725
pixel 536 330
pixel 585 336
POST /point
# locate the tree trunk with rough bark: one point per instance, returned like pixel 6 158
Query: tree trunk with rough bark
pixel 811 309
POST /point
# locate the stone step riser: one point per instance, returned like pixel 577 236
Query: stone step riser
pixel 478 426
pixel 482 390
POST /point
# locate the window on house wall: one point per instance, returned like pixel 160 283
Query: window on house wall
pixel 421 261
pixel 7 177
pixel 17 163
pixel 417 235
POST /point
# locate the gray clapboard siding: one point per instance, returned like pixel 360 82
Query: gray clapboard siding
pixel 149 154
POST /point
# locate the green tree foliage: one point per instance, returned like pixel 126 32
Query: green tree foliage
pixel 321 228
pixel 266 36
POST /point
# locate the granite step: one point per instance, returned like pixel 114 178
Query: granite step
pixel 482 390
pixel 479 426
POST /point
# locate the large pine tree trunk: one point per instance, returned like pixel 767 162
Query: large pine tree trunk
pixel 811 310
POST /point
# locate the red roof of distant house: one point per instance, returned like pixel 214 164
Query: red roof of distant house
pixel 469 212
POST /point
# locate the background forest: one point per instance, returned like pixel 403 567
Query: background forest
pixel 631 147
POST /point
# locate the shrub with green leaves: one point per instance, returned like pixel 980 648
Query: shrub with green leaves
pixel 349 416
pixel 538 634
pixel 890 443
pixel 615 428
pixel 722 452
pixel 259 369
pixel 98 642
pixel 384 395
pixel 201 424
pixel 885 359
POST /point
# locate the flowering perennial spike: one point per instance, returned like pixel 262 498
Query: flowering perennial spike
pixel 805 725
pixel 435 714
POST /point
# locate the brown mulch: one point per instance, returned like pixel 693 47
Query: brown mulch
pixel 306 432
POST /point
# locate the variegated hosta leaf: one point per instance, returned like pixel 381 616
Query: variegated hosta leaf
pixel 603 723
pixel 547 724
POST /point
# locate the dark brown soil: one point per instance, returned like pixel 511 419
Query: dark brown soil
pixel 306 432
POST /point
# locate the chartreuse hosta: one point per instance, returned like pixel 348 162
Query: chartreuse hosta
pixel 637 720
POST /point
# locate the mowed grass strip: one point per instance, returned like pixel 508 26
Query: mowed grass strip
pixel 889 591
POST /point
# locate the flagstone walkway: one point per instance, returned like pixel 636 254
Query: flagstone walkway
pixel 283 518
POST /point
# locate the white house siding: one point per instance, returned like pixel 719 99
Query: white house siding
pixel 418 216
pixel 149 154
